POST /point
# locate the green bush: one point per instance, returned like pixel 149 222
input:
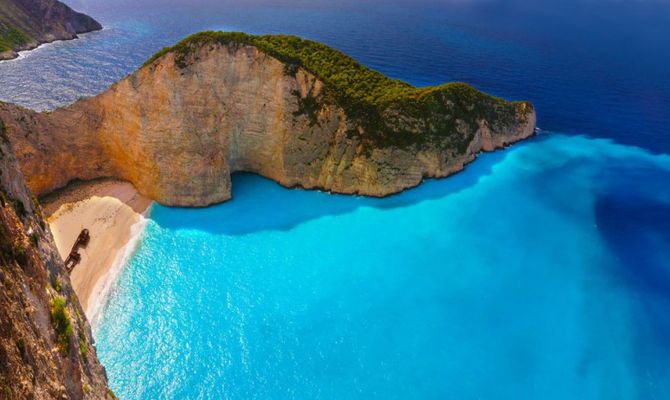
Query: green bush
pixel 11 37
pixel 34 238
pixel 19 252
pixel 58 284
pixel 83 348
pixel 60 318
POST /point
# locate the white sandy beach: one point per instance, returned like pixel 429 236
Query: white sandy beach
pixel 114 213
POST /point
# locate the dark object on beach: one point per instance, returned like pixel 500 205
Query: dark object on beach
pixel 74 258
pixel 82 239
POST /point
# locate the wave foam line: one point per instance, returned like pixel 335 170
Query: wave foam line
pixel 105 285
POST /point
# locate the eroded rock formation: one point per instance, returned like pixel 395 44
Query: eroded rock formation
pixel 178 127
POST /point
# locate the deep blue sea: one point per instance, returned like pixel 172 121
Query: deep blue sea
pixel 540 272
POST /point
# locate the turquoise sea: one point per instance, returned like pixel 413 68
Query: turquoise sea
pixel 496 284
pixel 540 272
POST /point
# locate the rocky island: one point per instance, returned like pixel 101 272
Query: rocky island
pixel 293 110
pixel 25 24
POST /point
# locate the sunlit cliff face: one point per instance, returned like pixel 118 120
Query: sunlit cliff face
pixel 177 134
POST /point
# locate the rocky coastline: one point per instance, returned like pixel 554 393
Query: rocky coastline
pixel 176 129
pixel 181 125
pixel 27 24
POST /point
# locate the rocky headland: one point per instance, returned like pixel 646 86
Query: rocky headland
pixel 293 110
pixel 25 24
pixel 289 109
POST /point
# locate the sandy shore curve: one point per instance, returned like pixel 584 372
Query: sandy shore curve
pixel 115 215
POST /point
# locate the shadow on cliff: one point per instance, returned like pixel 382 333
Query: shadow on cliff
pixel 260 204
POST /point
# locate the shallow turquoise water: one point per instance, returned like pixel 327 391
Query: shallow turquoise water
pixel 540 272
pixel 500 282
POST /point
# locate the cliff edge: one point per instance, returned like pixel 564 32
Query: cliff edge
pixel 25 24
pixel 293 110
pixel 46 347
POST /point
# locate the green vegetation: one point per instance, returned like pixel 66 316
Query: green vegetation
pixel 60 318
pixel 17 204
pixel 3 139
pixel 11 38
pixel 83 346
pixel 12 249
pixel 388 111
pixel 6 393
pixel 58 284
pixel 19 252
pixel 34 238
pixel 21 346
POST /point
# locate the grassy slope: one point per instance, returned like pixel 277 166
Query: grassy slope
pixel 374 101
pixel 11 38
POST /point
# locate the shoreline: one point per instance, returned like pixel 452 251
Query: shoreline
pixel 115 215
pixel 18 54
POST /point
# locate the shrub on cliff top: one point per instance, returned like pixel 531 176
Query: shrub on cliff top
pixel 365 94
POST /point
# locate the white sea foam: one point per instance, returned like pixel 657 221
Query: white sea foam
pixel 25 53
pixel 105 285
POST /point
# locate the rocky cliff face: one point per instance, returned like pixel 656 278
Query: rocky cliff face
pixel 178 127
pixel 25 24
pixel 46 347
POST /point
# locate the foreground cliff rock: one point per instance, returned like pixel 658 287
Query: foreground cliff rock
pixel 46 347
pixel 25 24
pixel 289 109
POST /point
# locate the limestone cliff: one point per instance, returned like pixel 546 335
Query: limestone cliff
pixel 46 347
pixel 25 24
pixel 292 110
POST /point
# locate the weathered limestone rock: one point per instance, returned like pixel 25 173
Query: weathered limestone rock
pixel 39 359
pixel 177 132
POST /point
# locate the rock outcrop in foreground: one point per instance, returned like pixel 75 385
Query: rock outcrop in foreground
pixel 46 347
pixel 25 24
pixel 289 109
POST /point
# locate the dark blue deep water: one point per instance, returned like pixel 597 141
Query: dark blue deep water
pixel 541 271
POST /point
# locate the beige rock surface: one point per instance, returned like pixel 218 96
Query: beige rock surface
pixel 37 360
pixel 178 134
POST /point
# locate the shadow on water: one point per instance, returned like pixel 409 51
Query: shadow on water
pixel 260 204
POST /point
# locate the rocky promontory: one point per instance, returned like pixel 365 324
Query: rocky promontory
pixel 293 110
pixel 25 24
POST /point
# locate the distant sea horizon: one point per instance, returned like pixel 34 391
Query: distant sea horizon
pixel 541 271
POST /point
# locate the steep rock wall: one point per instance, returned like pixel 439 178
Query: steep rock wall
pixel 177 132
pixel 46 347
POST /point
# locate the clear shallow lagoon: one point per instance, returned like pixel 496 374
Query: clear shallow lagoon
pixel 541 271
